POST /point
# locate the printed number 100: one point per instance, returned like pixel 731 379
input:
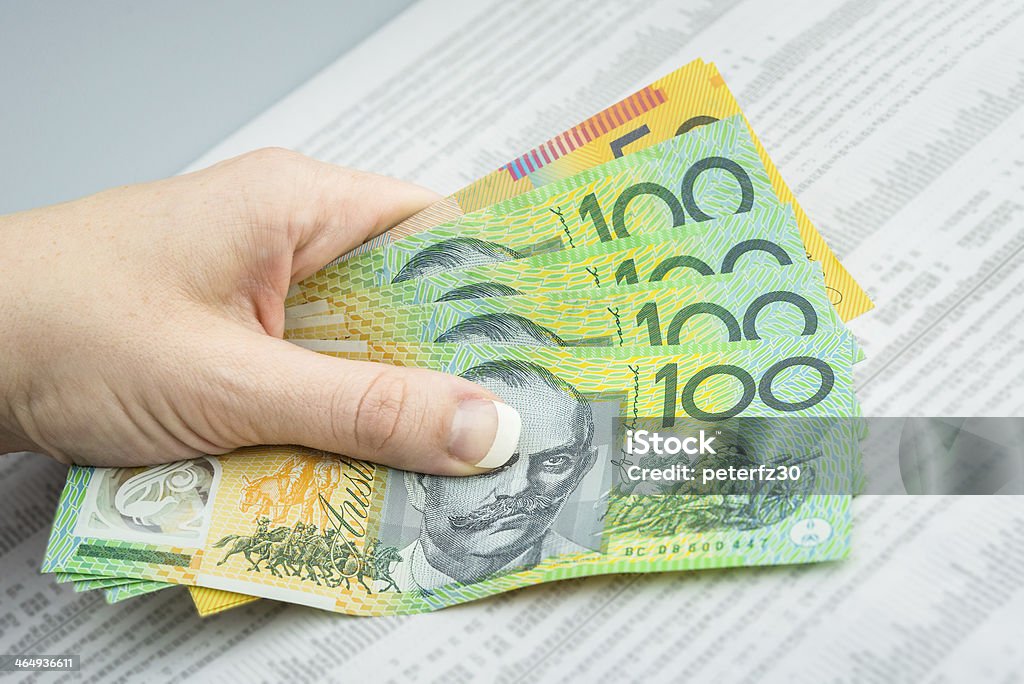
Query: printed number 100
pixel 590 208
pixel 669 376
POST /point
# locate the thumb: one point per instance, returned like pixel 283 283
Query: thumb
pixel 408 418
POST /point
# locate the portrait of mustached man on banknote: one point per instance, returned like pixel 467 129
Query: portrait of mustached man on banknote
pixel 475 527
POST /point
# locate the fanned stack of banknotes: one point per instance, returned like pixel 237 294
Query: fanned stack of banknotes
pixel 647 269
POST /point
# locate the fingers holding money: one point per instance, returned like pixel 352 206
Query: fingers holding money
pixel 407 418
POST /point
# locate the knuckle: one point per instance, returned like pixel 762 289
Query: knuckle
pixel 268 158
pixel 383 413
pixel 264 171
pixel 258 186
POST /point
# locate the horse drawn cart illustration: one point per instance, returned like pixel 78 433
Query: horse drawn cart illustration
pixel 326 556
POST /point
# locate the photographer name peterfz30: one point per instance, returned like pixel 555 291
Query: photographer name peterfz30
pixel 642 442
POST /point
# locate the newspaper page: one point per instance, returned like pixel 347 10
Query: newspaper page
pixel 900 127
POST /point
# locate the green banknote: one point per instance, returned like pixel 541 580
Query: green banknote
pixel 102 583
pixel 327 531
pixel 689 97
pixel 89 583
pixel 65 577
pixel 83 582
pixel 115 588
pixel 735 243
pixel 707 174
pixel 123 592
pixel 760 303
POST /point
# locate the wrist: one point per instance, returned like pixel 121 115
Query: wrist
pixel 12 401
pixel 12 440
pixel 14 339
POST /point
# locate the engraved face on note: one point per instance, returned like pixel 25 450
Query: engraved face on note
pixel 476 526
pixel 451 254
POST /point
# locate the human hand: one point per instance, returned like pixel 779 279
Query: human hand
pixel 143 324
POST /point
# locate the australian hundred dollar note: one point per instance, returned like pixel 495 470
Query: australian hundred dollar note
pixel 762 302
pixel 335 533
pixel 677 104
pixel 764 237
pixel 708 174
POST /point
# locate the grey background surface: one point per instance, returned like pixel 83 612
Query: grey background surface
pixel 110 92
